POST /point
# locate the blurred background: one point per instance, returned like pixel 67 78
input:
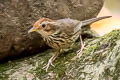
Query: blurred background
pixel 110 8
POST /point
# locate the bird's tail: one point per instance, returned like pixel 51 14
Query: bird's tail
pixel 92 20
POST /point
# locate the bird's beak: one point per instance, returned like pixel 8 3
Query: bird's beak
pixel 33 29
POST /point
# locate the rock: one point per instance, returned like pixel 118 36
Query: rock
pixel 100 61
pixel 17 17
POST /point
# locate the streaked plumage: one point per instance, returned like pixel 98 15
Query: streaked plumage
pixel 60 34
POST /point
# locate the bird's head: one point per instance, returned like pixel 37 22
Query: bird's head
pixel 44 26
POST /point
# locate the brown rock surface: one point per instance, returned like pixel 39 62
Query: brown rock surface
pixel 16 17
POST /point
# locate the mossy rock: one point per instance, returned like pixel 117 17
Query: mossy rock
pixel 100 61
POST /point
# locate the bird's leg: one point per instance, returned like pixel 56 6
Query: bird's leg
pixel 51 60
pixel 79 52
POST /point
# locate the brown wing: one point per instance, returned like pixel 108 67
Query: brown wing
pixel 68 26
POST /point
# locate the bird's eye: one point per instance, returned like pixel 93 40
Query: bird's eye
pixel 43 25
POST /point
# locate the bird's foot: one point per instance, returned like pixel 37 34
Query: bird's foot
pixel 79 52
pixel 48 65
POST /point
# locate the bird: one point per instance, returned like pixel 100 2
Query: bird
pixel 61 34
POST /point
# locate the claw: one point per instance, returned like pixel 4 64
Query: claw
pixel 51 60
pixel 79 52
pixel 48 65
